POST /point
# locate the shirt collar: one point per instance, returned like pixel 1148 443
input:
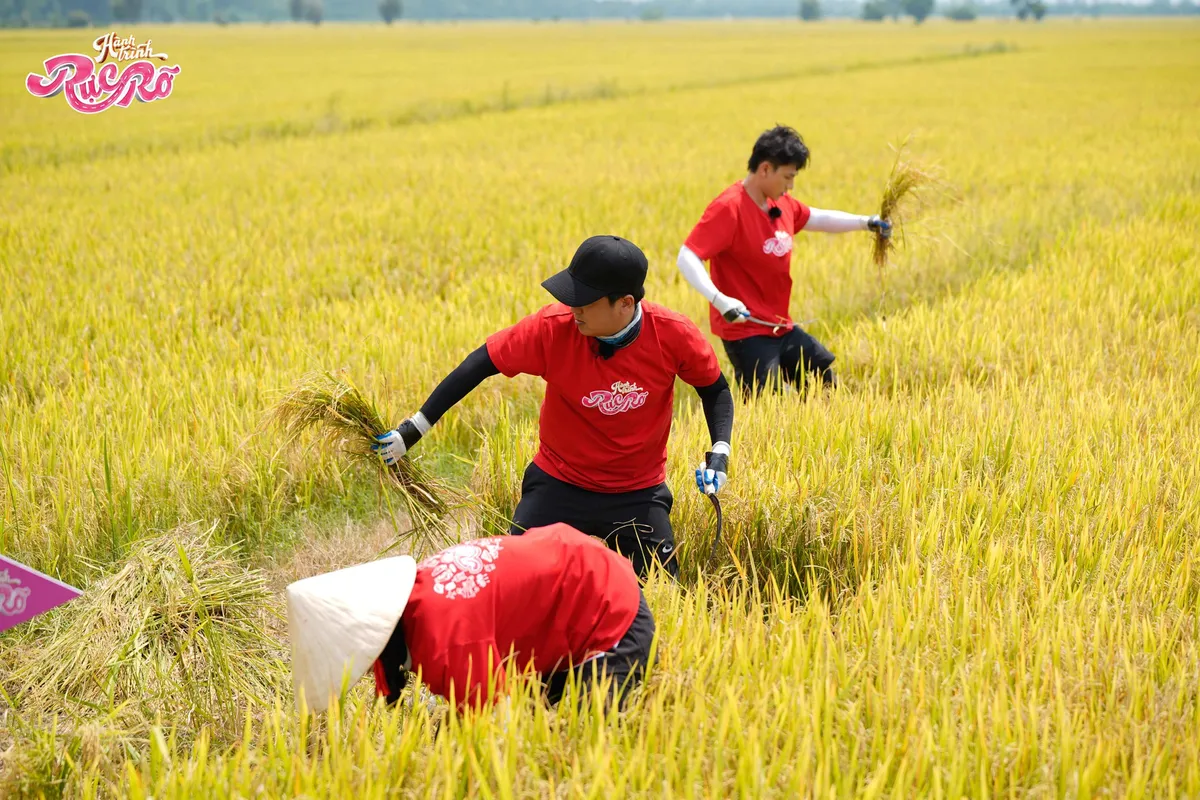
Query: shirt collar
pixel 618 337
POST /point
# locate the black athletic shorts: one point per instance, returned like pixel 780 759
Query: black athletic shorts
pixel 624 665
pixel 762 361
pixel 636 524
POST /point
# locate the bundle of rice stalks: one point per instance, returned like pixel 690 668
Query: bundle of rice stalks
pixel 345 420
pixel 179 634
pixel 901 193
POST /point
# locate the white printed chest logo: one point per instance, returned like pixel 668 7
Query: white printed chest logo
pixel 463 570
pixel 779 245
pixel 621 397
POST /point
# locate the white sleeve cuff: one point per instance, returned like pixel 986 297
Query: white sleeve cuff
pixel 722 448
pixel 420 423
pixel 824 221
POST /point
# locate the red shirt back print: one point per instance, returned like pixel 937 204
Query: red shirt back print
pixel 548 600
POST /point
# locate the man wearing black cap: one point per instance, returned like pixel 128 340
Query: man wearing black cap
pixel 610 361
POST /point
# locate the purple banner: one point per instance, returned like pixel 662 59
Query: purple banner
pixel 25 593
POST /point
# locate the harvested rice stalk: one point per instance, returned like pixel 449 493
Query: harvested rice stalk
pixel 180 632
pixel 899 195
pixel 345 420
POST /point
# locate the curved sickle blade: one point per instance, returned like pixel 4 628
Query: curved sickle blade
pixel 720 523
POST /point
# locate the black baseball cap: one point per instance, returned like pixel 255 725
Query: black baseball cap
pixel 602 265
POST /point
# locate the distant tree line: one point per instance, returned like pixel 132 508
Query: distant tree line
pixel 968 10
pixel 920 10
pixel 84 13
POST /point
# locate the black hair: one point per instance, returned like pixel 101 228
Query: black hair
pixel 637 295
pixel 394 654
pixel 781 146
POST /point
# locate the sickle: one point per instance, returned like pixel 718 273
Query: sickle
pixel 775 326
pixel 720 523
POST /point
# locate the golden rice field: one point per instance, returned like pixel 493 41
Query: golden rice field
pixel 974 572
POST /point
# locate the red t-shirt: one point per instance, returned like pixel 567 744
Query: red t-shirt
pixel 551 598
pixel 750 256
pixel 605 422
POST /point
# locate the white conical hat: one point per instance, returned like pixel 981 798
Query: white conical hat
pixel 342 620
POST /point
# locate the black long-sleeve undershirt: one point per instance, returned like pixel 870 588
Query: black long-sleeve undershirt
pixel 474 370
pixel 717 400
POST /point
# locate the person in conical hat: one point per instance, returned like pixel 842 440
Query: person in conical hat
pixel 555 598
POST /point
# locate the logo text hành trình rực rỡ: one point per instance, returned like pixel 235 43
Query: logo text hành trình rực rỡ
pixel 94 84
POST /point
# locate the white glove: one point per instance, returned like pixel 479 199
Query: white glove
pixel 732 309
pixel 392 445
pixel 710 474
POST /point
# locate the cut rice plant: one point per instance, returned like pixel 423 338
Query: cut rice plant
pixel 900 194
pixel 179 636
pixel 344 420
pixel 182 623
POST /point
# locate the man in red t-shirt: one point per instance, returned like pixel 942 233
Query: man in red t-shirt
pixel 746 236
pixel 554 601
pixel 609 360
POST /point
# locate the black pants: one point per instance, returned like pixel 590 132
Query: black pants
pixel 624 665
pixel 762 361
pixel 635 524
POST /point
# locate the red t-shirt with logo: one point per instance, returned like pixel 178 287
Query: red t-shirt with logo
pixel 551 599
pixel 750 257
pixel 605 422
